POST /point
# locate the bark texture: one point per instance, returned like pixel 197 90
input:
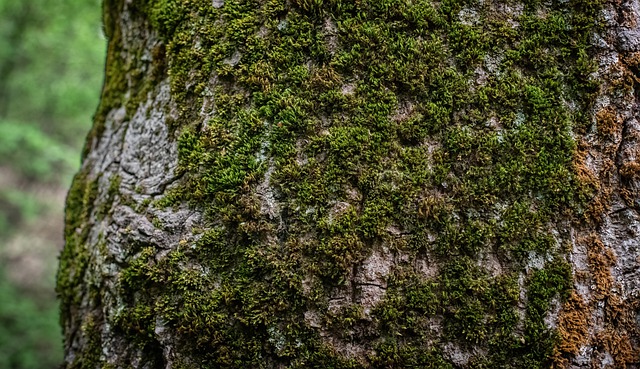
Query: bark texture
pixel 359 184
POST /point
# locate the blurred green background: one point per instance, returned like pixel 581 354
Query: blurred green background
pixel 51 66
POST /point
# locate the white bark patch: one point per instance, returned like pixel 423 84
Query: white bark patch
pixel 426 268
pixel 349 89
pixel 339 208
pixel 265 191
pixel 350 350
pixel 208 109
pixel 372 278
pixel 404 111
pixel 301 156
pixel 353 194
pixel 234 59
pixel 365 289
pixel 551 319
pixel 330 30
pixel 536 261
pixel 468 16
pixel 494 122
pixel 620 234
pixel 313 319
pixel 489 261
pixel 458 355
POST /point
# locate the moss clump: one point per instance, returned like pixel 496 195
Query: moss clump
pixel 112 192
pixel 90 329
pixel 74 258
pixel 338 121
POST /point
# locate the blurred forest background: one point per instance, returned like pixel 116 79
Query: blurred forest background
pixel 51 66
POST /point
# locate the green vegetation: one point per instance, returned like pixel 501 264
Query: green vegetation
pixel 50 65
pixel 51 58
pixel 458 132
pixel 29 334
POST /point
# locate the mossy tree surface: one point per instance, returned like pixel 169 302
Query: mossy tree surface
pixel 345 184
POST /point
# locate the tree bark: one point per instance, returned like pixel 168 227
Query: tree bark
pixel 359 184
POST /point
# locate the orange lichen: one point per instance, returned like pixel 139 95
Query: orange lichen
pixel 618 344
pixel 630 170
pixel 600 260
pixel 608 122
pixel 584 174
pixel 573 329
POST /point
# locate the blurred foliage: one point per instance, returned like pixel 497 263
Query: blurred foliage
pixel 51 67
pixel 29 334
pixel 51 57
pixel 36 155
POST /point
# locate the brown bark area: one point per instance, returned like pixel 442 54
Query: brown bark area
pixel 599 323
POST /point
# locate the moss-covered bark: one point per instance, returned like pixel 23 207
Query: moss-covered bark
pixel 350 184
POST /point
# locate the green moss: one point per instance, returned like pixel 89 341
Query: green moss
pixel 90 357
pixel 112 192
pixel 74 261
pixel 374 104
pixel 74 258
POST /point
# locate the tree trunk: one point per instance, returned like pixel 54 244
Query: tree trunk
pixel 359 184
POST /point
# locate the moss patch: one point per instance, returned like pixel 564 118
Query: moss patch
pixel 440 130
pixel 74 258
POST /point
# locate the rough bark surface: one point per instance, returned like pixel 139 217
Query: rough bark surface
pixel 366 184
